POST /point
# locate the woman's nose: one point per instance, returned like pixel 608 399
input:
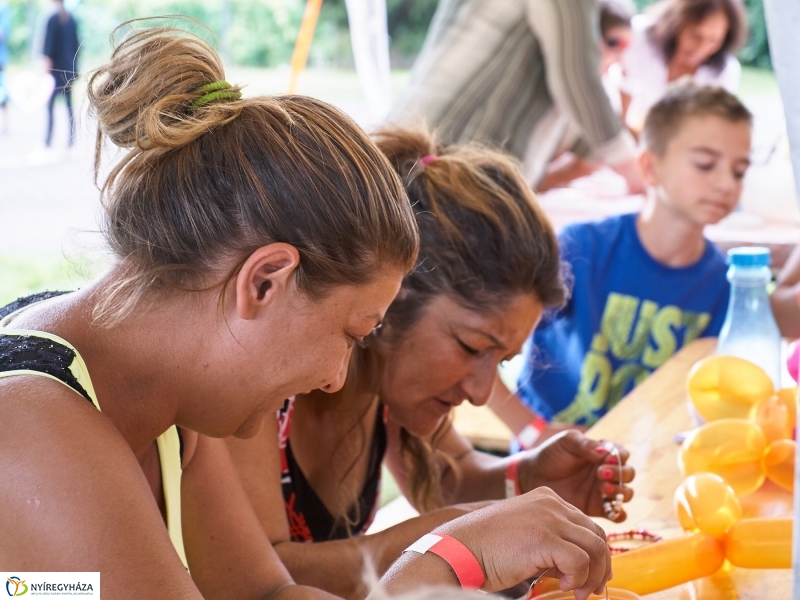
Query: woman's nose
pixel 338 381
pixel 478 385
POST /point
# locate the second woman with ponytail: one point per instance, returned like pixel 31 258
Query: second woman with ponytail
pixel 487 269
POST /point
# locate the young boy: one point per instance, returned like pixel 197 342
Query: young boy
pixel 645 284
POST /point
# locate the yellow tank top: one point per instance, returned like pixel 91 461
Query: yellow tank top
pixel 168 443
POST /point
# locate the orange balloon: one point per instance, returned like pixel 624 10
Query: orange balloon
pixel 610 594
pixel 726 387
pixel 779 463
pixel 789 397
pixel 772 415
pixel 660 565
pixel 704 502
pixel 760 543
pixel 731 448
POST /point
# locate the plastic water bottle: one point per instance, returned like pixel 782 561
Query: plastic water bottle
pixel 750 331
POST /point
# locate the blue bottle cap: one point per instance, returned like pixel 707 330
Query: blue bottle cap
pixel 749 256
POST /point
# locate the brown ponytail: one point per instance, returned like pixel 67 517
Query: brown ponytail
pixel 483 239
pixel 202 188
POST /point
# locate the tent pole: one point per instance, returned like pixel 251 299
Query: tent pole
pixel 303 43
pixel 783 19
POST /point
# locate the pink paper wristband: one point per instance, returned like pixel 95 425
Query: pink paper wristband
pixel 454 553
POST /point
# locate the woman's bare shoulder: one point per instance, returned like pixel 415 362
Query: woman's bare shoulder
pixel 75 498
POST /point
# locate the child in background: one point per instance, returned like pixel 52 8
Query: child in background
pixel 644 284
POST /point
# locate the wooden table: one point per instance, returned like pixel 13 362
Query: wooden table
pixel 482 427
pixel 645 421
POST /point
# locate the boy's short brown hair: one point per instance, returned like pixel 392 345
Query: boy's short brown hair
pixel 688 100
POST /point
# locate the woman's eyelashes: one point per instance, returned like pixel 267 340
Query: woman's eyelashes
pixel 361 340
pixel 467 348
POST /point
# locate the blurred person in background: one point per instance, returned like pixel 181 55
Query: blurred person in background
pixel 572 157
pixel 677 39
pixel 61 45
pixel 5 33
pixel 785 300
pixel 505 74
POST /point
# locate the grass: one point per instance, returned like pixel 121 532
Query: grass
pixel 758 82
pixel 389 488
pixel 24 275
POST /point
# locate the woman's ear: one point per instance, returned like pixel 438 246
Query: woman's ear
pixel 647 163
pixel 267 272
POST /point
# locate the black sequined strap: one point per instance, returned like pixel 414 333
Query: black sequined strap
pixel 31 353
pixel 27 301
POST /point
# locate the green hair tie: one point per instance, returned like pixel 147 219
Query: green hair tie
pixel 218 90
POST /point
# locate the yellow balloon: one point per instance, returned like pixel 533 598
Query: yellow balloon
pixel 726 387
pixel 779 463
pixel 731 448
pixel 660 565
pixel 704 502
pixel 789 398
pixel 772 415
pixel 612 594
pixel 760 543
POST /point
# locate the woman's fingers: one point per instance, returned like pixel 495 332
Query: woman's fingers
pixel 589 540
pixel 583 558
pixel 609 490
pixel 613 448
pixel 615 473
pixel 523 536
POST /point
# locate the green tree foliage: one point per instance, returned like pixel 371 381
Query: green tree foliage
pixel 756 52
pixel 249 32
pixel 262 32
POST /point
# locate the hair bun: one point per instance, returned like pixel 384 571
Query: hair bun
pixel 145 96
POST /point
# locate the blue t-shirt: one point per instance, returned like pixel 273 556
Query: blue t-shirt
pixel 627 314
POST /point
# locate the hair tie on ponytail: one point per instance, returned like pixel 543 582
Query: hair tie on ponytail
pixel 217 90
pixel 428 159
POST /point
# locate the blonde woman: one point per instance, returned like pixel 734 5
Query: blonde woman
pixel 257 241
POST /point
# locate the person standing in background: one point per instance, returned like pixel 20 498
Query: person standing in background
pixel 505 73
pixel 5 33
pixel 571 159
pixel 61 55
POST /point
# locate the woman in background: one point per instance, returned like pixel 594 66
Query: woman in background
pixel 677 39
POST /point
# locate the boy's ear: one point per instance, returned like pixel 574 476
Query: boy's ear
pixel 647 163
pixel 267 272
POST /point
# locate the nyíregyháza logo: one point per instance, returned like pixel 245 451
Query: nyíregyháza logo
pixel 16 586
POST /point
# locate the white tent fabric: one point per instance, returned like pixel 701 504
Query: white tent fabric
pixel 369 36
pixel 783 23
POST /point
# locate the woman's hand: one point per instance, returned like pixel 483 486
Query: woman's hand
pixel 580 470
pixel 515 540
